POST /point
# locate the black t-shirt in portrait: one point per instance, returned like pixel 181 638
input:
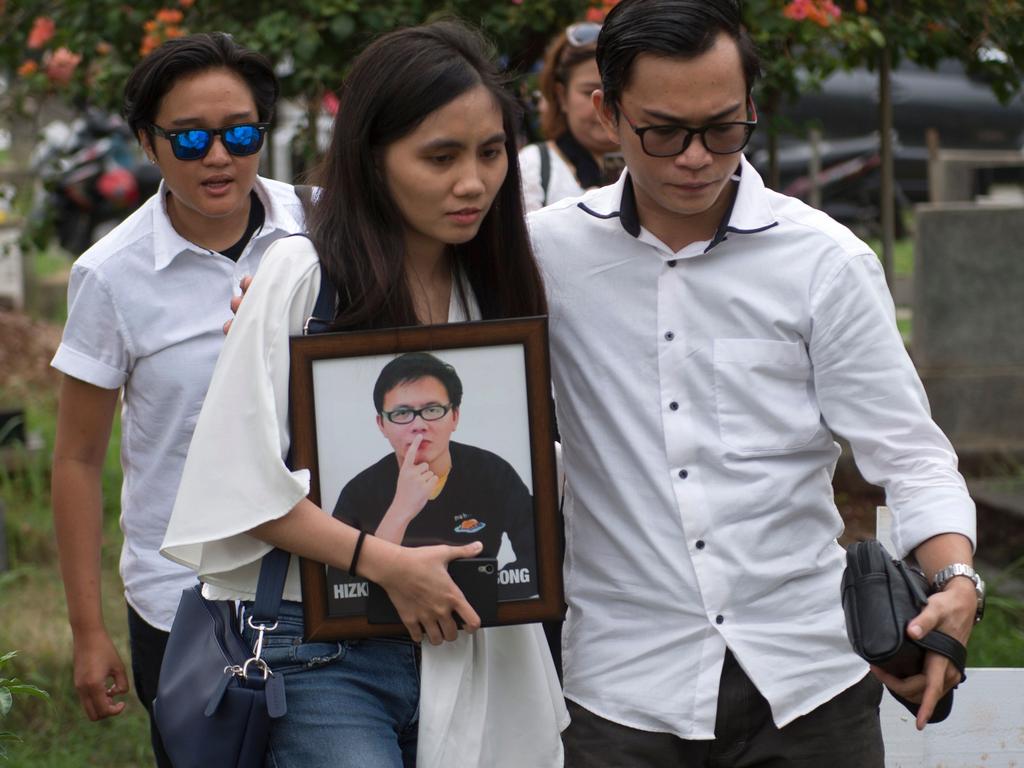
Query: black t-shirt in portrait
pixel 482 499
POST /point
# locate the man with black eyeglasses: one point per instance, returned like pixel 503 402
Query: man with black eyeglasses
pixel 432 490
pixel 708 337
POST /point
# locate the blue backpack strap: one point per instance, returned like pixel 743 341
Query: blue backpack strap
pixel 545 169
pixel 323 311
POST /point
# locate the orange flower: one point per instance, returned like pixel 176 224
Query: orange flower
pixel 861 6
pixel 103 48
pixel 149 43
pixel 28 68
pixel 42 30
pixel 61 66
pixel 186 3
pixel 599 9
pixel 150 26
pixel 169 15
pixel 170 32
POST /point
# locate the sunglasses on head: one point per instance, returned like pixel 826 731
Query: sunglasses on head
pixel 582 33
pixel 194 143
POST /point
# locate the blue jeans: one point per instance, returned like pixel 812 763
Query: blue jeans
pixel 351 704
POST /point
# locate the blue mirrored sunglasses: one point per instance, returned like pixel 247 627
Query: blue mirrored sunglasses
pixel 194 143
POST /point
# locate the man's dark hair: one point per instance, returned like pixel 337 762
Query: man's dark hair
pixel 671 28
pixel 184 57
pixel 413 366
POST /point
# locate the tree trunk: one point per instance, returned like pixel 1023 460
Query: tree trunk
pixel 887 197
pixel 772 109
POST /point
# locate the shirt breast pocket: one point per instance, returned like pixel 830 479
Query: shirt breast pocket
pixel 763 395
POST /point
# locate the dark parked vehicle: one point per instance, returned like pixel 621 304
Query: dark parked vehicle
pixel 963 110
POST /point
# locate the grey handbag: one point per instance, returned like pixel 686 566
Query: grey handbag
pixel 216 696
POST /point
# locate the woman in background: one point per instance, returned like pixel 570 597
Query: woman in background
pixel 572 159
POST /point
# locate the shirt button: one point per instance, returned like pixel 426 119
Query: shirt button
pixel 669 335
pixel 671 262
pixel 719 619
pixel 700 544
pixel 674 406
pixel 683 474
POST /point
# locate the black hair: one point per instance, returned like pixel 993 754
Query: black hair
pixel 358 230
pixel 413 366
pixel 182 57
pixel 670 28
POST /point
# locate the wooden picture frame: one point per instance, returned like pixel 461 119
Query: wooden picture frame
pixel 505 418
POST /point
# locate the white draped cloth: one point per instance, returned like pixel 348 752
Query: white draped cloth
pixel 489 700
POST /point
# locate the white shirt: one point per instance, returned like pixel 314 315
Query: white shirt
pixel 490 699
pixel 561 185
pixel 145 310
pixel 697 393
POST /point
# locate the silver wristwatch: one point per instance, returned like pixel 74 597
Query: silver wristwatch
pixel 943 576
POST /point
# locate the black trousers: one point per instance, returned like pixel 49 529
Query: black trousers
pixel 842 733
pixel 147 645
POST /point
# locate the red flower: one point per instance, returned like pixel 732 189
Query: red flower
pixel 861 6
pixel 60 66
pixel 42 30
pixel 796 10
pixel 821 12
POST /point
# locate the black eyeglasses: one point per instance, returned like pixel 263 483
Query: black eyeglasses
pixel 403 415
pixel 195 143
pixel 582 33
pixel 717 138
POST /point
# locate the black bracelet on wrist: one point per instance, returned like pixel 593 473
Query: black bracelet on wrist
pixel 355 553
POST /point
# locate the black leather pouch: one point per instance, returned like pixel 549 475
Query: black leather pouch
pixel 880 596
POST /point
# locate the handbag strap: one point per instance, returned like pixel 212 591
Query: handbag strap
pixel 950 647
pixel 270 587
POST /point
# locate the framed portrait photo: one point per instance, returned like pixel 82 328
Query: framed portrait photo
pixel 432 435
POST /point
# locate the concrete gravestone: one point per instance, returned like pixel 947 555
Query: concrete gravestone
pixel 969 323
pixel 12 285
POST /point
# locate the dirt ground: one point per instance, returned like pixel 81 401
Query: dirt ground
pixel 26 348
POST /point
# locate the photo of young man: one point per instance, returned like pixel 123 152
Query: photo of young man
pixel 430 489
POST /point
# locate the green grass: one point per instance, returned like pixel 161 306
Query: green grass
pixel 998 641
pixel 57 734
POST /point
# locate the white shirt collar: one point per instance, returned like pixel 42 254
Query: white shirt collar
pixel 751 210
pixel 168 244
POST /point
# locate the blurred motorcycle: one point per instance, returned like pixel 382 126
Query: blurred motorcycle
pixel 91 177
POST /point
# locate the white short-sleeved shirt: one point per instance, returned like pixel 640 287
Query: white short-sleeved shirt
pixel 491 699
pixel 561 185
pixel 697 393
pixel 145 310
